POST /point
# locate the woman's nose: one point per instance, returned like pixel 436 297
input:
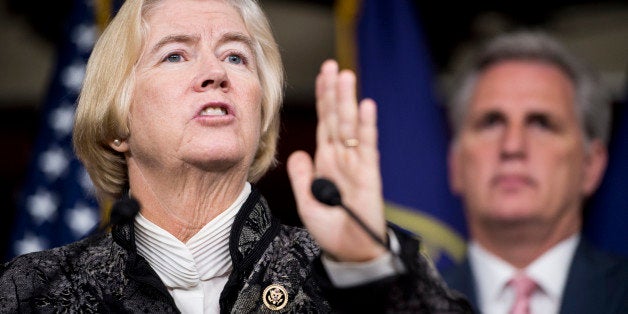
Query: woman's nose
pixel 212 75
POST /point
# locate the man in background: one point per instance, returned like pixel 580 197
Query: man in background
pixel 531 124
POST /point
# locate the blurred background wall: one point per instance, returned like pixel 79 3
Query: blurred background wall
pixel 31 29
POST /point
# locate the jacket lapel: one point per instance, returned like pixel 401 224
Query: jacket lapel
pixel 586 288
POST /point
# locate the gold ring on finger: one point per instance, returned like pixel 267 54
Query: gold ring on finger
pixel 351 142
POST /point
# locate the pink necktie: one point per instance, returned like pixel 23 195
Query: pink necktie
pixel 524 287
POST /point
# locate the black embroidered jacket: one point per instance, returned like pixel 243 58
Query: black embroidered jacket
pixel 276 269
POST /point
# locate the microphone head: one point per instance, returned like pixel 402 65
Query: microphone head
pixel 124 210
pixel 326 192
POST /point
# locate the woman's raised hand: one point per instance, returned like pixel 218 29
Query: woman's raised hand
pixel 346 154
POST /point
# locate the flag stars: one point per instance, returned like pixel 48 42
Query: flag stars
pixel 84 37
pixel 42 206
pixel 72 76
pixel 62 120
pixel 86 182
pixel 54 162
pixel 81 219
pixel 30 243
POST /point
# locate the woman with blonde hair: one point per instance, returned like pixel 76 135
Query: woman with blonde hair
pixel 180 111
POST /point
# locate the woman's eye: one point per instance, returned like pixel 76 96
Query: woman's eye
pixel 175 57
pixel 235 59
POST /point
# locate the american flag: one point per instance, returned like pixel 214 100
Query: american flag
pixel 57 204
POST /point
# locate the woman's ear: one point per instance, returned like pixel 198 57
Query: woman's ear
pixel 119 145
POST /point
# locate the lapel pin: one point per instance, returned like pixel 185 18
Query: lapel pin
pixel 275 297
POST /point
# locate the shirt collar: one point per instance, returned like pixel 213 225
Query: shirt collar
pixel 204 256
pixel 549 271
pixel 490 272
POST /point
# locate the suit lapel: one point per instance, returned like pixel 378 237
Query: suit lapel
pixel 585 290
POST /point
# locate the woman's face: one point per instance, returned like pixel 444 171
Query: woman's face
pixel 197 97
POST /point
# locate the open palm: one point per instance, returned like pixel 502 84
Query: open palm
pixel 346 153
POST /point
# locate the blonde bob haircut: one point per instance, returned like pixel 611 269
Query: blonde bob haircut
pixel 102 113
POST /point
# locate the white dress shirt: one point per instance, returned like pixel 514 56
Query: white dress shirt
pixel 194 272
pixel 549 271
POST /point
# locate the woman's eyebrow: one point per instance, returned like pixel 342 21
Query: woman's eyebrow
pixel 237 37
pixel 175 38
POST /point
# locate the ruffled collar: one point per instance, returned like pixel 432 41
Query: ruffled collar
pixel 203 257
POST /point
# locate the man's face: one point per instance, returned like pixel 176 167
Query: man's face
pixel 520 155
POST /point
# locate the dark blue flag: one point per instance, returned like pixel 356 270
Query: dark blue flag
pixel 395 69
pixel 606 217
pixel 57 204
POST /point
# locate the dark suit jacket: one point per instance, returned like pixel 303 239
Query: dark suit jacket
pixel 596 283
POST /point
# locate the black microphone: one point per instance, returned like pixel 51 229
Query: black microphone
pixel 124 211
pixel 327 193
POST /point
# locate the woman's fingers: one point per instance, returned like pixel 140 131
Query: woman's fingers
pixel 337 107
pixel 325 102
pixel 346 153
pixel 347 109
pixel 301 173
pixel 367 133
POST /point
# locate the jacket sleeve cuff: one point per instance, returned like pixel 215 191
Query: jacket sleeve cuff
pixel 349 274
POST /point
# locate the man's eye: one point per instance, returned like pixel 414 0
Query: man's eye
pixel 490 120
pixel 175 57
pixel 541 121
